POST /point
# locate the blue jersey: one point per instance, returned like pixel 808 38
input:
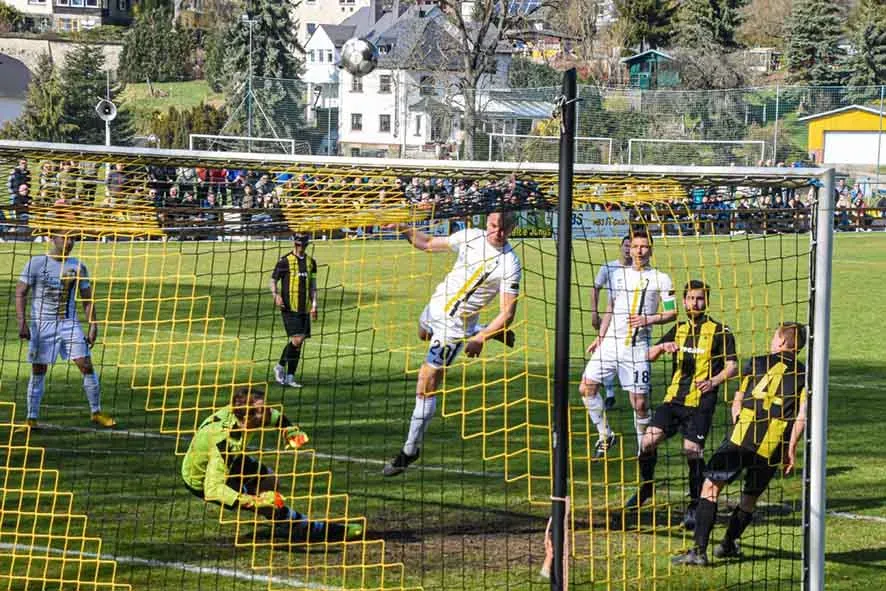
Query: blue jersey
pixel 54 286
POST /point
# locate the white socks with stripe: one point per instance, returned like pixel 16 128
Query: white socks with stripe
pixel 35 394
pixel 421 420
pixel 93 392
pixel 594 404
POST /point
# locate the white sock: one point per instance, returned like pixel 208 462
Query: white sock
pixel 421 419
pixel 93 392
pixel 35 394
pixel 640 425
pixel 594 404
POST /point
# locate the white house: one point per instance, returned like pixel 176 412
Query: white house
pixel 322 54
pixel 310 14
pixel 411 105
pixel 74 15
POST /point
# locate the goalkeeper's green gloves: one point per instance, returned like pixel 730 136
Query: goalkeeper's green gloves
pixel 295 437
pixel 269 498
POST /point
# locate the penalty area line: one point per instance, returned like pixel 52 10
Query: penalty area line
pixel 182 566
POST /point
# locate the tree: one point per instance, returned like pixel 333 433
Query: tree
pixel 84 80
pixel 276 108
pixel 647 24
pixel 867 67
pixel 173 128
pixel 215 43
pixel 813 53
pixel 11 19
pixel 525 73
pixel 763 23
pixel 578 20
pixel 154 50
pixel 41 118
pixel 706 23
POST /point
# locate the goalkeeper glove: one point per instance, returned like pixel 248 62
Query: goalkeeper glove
pixel 295 437
pixel 269 498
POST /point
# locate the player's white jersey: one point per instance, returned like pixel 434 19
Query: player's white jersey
pixel 54 286
pixel 480 273
pixel 602 279
pixel 636 292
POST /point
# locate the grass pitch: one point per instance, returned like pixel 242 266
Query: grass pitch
pixel 457 521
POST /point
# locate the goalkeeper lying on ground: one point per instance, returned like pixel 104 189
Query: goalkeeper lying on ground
pixel 218 470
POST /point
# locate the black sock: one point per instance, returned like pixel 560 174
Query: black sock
pixel 647 463
pixel 284 356
pixel 738 522
pixel 705 515
pixel 696 478
pixel 294 356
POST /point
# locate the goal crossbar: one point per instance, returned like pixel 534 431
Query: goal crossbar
pixel 554 139
pixel 241 138
pixel 633 141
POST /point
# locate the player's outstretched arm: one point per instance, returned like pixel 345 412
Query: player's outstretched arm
pixel 655 351
pixel 422 240
pixel 507 311
pixel 21 302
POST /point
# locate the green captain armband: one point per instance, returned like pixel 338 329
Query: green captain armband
pixel 669 305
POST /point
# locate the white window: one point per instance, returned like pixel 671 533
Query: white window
pixel 320 55
pixel 418 125
pixel 356 121
pixel 311 56
pixel 356 84
pixel 384 84
pixel 311 27
pixel 329 57
pixel 384 123
pixel 122 5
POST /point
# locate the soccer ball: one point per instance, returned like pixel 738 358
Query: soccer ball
pixel 358 56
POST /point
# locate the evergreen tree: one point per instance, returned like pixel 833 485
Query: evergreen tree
pixel 813 54
pixel 647 24
pixel 154 50
pixel 84 80
pixel 276 104
pixel 867 67
pixel 525 73
pixel 215 44
pixel 41 118
pixel 709 23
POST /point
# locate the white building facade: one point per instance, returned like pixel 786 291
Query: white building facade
pixel 74 15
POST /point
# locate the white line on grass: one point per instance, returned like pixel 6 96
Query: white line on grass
pixel 857 517
pixel 183 566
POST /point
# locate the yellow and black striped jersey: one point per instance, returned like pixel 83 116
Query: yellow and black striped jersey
pixel 297 275
pixel 705 346
pixel 774 388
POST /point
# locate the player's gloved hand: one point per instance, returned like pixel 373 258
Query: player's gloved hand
pixel 295 437
pixel 269 498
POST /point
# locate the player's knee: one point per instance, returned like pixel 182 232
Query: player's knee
pixel 710 490
pixel 588 389
pixel 296 341
pixel 38 369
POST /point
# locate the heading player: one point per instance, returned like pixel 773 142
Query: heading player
pixel 621 348
pixel 55 280
pixel 486 268
pixel 769 416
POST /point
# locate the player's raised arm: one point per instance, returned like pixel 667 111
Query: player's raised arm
pixel 422 240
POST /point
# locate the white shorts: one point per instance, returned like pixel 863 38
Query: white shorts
pixel 447 336
pixel 628 363
pixel 51 339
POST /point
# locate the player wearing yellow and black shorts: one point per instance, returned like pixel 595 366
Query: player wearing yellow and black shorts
pixel 296 274
pixel 769 416
pixel 703 354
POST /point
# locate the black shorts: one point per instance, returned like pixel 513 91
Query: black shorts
pixel 297 324
pixel 244 476
pixel 729 460
pixel 694 423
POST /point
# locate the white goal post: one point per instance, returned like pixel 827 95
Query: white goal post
pixel 238 143
pixel 635 143
pixel 521 143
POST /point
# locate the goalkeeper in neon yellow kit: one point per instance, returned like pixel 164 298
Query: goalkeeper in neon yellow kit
pixel 217 469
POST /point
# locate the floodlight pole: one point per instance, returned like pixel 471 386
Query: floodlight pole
pixel 816 508
pixel 560 435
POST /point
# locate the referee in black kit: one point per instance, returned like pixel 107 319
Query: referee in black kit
pixel 704 357
pixel 296 276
